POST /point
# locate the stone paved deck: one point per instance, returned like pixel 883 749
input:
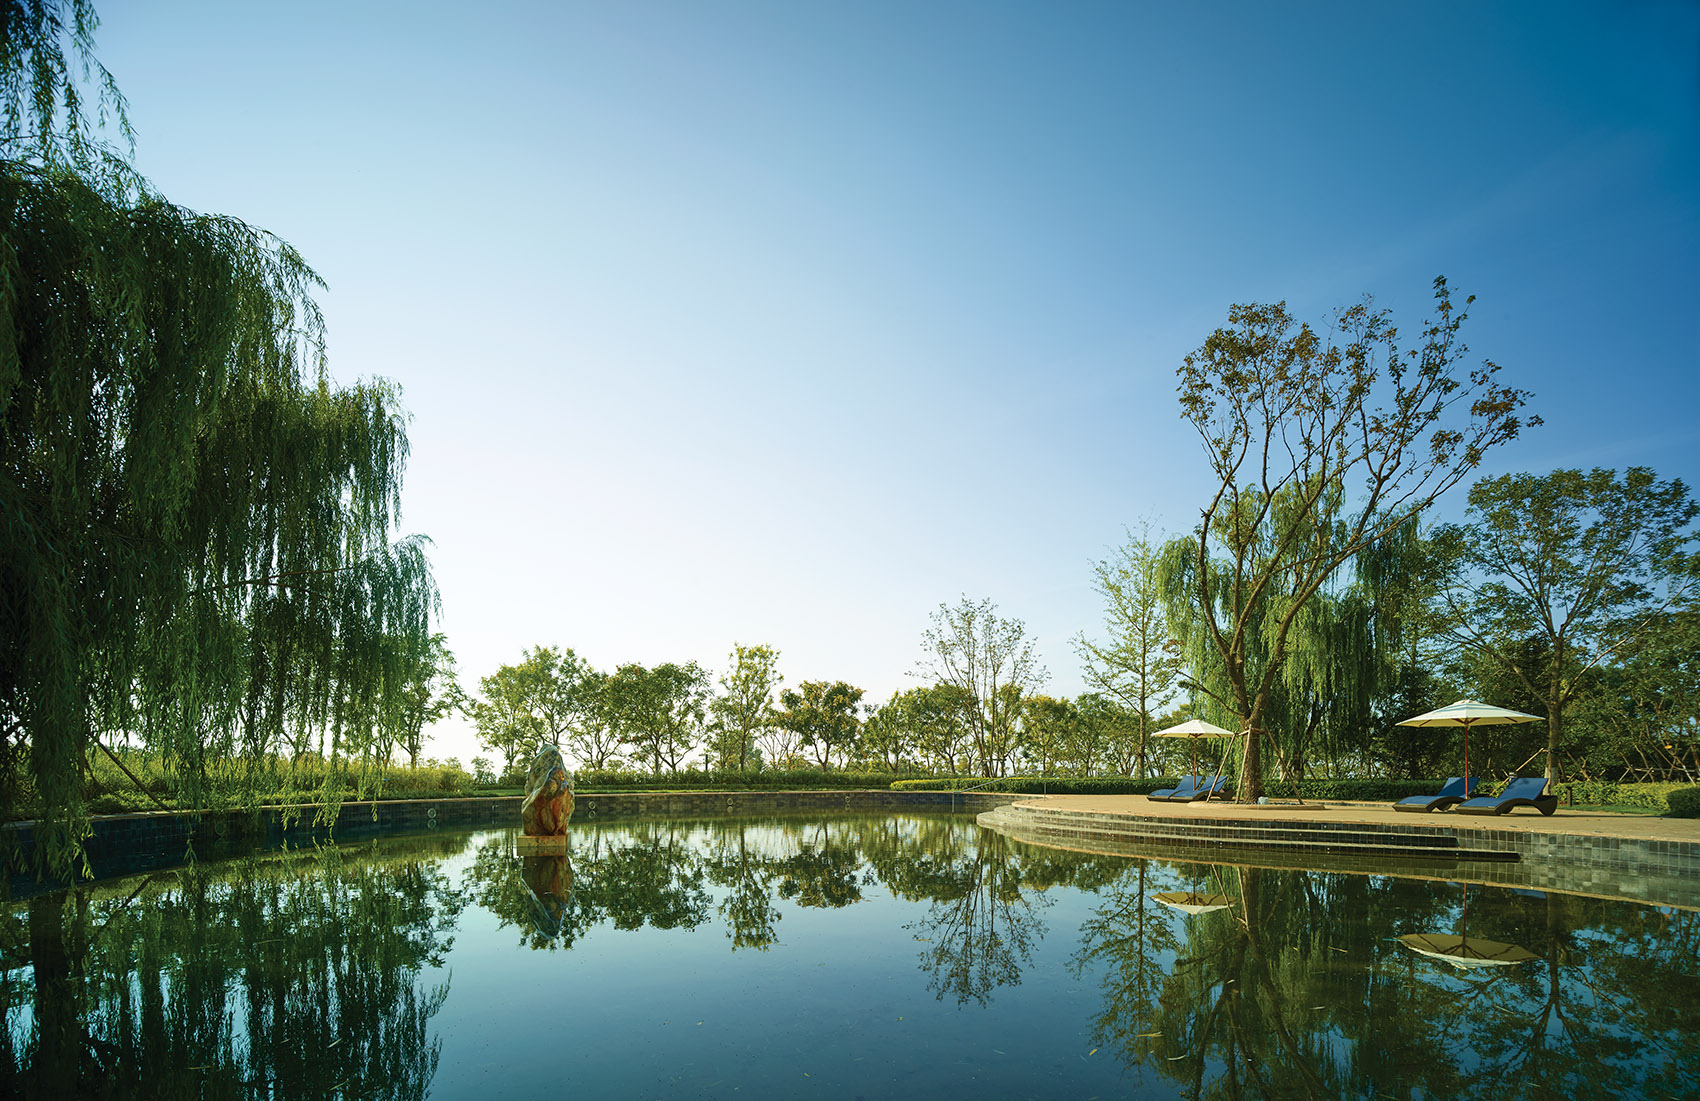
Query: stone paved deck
pixel 1565 820
pixel 1635 857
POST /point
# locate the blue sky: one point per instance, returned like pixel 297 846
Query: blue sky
pixel 785 322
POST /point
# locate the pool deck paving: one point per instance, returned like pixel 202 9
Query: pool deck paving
pixel 1641 858
pixel 1579 822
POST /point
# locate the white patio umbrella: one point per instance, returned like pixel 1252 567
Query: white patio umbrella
pixel 1467 713
pixel 1194 729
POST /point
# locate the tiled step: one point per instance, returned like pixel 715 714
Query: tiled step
pixel 1319 837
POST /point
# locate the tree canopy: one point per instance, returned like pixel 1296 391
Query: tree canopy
pixel 1584 564
pixel 1319 444
pixel 195 522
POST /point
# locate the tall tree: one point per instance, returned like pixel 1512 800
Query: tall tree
pixel 1586 563
pixel 1050 733
pixel 552 695
pixel 431 694
pixel 1139 662
pixel 744 709
pixel 504 716
pixel 1319 443
pixel 195 523
pixel 823 717
pixel 979 653
pixel 598 740
pixel 660 711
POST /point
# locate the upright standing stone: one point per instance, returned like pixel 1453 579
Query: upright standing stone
pixel 548 795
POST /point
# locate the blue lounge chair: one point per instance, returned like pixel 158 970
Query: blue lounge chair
pixel 1206 787
pixel 1188 787
pixel 1522 791
pixel 1451 794
pixel 1212 787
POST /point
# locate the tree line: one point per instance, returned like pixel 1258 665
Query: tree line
pixel 200 554
pixel 979 710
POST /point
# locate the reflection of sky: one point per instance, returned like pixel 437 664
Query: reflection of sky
pixel 850 1000
pixel 783 323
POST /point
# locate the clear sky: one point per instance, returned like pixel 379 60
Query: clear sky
pixel 784 322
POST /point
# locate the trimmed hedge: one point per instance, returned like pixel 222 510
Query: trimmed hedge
pixel 1684 801
pixel 1036 785
pixel 609 781
pixel 1355 789
pixel 1595 793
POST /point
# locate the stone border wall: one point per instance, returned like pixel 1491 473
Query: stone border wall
pixel 123 844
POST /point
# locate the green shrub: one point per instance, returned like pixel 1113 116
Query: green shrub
pixel 1595 793
pixel 1683 801
pixel 1356 789
pixel 1037 785
pixel 802 779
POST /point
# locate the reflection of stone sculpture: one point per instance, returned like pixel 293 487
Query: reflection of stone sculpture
pixel 548 796
pixel 549 881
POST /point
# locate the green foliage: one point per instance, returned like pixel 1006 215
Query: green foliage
pixel 744 711
pixel 1684 802
pixel 731 779
pixel 1566 572
pixel 108 789
pixel 823 718
pixel 195 523
pixel 41 97
pixel 1036 785
pixel 1139 663
pixel 549 695
pixel 991 666
pixel 1291 421
pixel 1590 793
pixel 659 711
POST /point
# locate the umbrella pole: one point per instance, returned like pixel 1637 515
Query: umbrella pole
pixel 1466 756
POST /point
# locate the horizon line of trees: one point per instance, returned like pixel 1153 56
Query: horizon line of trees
pixel 1570 596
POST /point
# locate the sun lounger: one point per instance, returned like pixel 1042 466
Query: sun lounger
pixel 1522 791
pixel 1188 786
pixel 1204 788
pixel 1451 794
pixel 1213 787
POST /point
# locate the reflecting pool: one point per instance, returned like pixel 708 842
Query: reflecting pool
pixel 859 956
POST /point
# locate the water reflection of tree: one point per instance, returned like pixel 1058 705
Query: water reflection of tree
pixel 635 875
pixel 1608 1003
pixel 1298 990
pixel 270 977
pixel 747 907
pixel 982 923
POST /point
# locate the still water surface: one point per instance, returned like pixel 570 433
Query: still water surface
pixel 844 957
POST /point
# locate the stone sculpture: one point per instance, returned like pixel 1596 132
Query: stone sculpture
pixel 548 795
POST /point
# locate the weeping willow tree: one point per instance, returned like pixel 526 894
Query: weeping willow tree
pixel 1320 443
pixel 1343 647
pixel 195 523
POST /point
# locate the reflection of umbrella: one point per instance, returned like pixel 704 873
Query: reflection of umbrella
pixel 1466 713
pixel 1462 950
pixel 1193 902
pixel 1194 729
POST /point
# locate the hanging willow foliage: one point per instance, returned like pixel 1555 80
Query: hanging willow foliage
pixel 1324 658
pixel 194 522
